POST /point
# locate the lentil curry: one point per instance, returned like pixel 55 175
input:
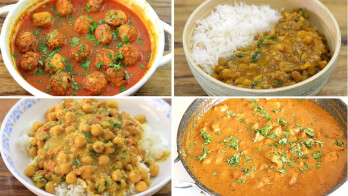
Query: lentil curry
pixel 269 147
pixel 80 47
pixel 290 53
pixel 90 141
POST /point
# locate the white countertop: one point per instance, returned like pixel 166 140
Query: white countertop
pixel 181 177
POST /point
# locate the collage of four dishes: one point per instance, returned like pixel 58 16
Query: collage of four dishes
pixel 161 97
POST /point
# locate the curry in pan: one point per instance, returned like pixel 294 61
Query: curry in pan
pixel 268 147
pixel 78 47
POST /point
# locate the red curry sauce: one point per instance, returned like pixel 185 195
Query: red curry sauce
pixel 41 79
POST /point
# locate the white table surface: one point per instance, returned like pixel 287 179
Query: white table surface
pixel 182 178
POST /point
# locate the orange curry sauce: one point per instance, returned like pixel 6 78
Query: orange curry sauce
pixel 66 26
pixel 267 147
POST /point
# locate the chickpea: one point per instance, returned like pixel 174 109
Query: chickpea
pixel 60 114
pixel 37 125
pixel 49 187
pixel 117 175
pixel 70 117
pixel 52 116
pixel 109 150
pixel 103 160
pixel 308 39
pixel 108 135
pixel 106 124
pixel 33 152
pixel 71 178
pixel 85 128
pixel 96 130
pixel 141 186
pixel 100 185
pixel 33 142
pixel 87 108
pixel 86 160
pixel 62 158
pixel 69 129
pixel 147 181
pixel 98 146
pixel 134 176
pixel 56 130
pixel 86 172
pixel 111 104
pixel 59 107
pixel 65 168
pixel 30 170
pixel 144 173
pixel 118 141
pixel 80 141
pixel 154 170
pixel 141 118
pixel 113 111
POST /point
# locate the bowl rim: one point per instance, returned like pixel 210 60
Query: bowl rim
pixel 216 82
pixel 36 190
pixel 216 101
pixel 11 67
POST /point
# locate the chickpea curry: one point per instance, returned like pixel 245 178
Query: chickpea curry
pixel 290 53
pixel 90 141
pixel 78 47
pixel 267 146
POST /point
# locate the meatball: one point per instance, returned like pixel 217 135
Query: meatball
pixel 94 5
pixel 104 58
pixel 42 19
pixel 80 52
pixel 116 76
pixel 103 33
pixel 60 83
pixel 95 83
pixel 55 39
pixel 82 24
pixel 54 64
pixel 130 55
pixel 29 61
pixel 25 41
pixel 115 18
pixel 64 7
pixel 127 33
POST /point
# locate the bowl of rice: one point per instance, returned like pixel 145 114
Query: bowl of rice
pixel 219 28
pixel 156 140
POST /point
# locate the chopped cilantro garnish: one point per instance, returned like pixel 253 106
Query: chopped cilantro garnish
pixel 207 138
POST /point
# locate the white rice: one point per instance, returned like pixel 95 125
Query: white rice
pixel 150 141
pixel 228 28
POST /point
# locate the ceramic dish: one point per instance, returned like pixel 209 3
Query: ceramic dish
pixel 199 107
pixel 155 27
pixel 26 111
pixel 320 17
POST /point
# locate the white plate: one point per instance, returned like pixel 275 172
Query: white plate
pixel 21 116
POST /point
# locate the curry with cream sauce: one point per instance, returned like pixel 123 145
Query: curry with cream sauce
pixel 291 52
pixel 80 47
pixel 266 147
pixel 90 141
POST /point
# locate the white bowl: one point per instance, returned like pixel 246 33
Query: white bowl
pixel 320 17
pixel 21 116
pixel 155 27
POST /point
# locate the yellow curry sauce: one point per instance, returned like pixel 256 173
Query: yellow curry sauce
pixel 92 141
pixel 268 147
pixel 290 53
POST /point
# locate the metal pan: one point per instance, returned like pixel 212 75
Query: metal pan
pixel 335 107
